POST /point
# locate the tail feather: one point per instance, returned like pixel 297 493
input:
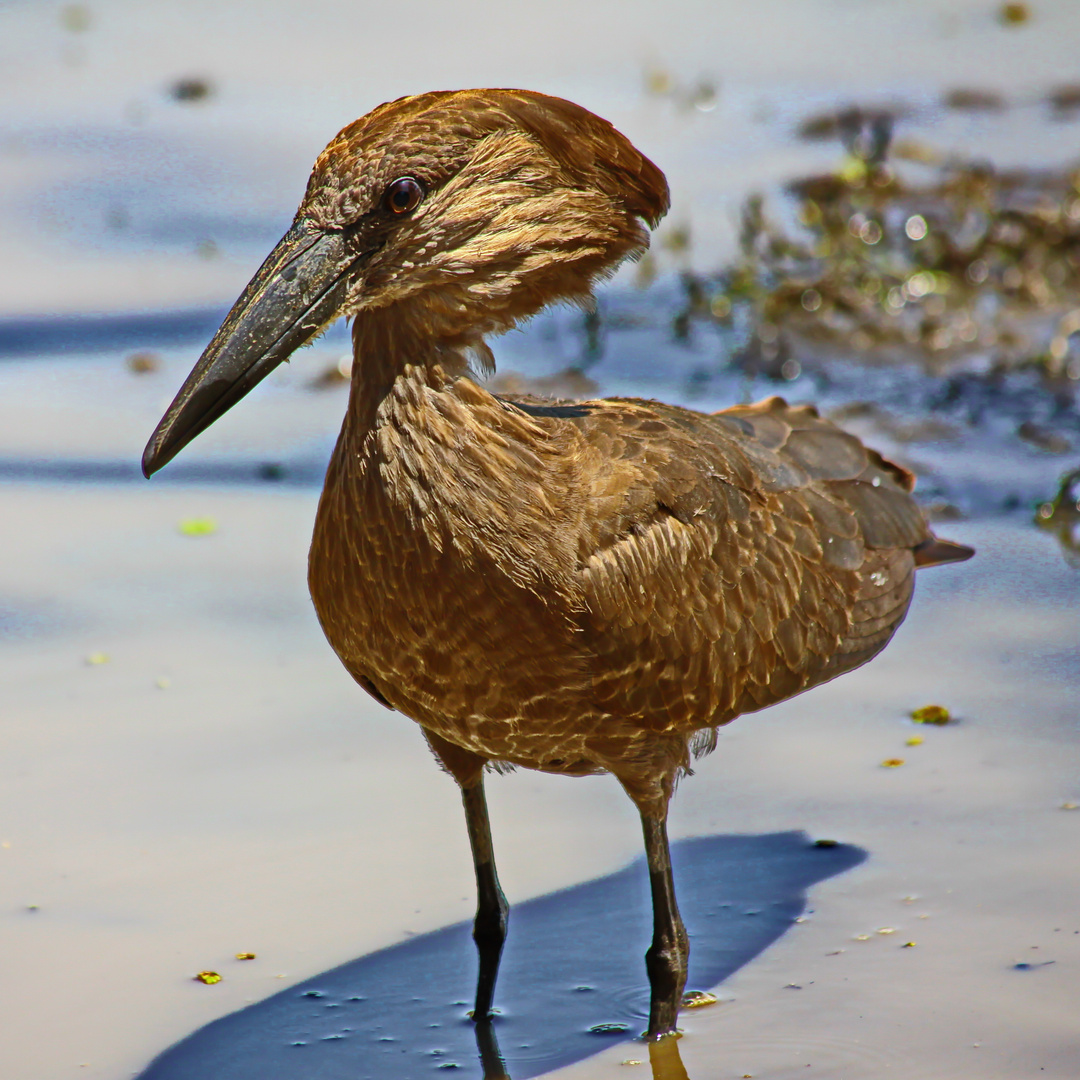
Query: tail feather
pixel 937 552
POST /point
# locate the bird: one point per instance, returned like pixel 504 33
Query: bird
pixel 575 587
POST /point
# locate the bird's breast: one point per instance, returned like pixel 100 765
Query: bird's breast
pixel 437 586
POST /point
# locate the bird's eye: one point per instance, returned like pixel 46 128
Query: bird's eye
pixel 403 195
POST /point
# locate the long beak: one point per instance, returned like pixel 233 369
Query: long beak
pixel 297 291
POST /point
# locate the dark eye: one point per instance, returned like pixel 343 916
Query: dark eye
pixel 403 195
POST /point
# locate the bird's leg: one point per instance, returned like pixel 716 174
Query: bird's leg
pixel 667 958
pixel 489 927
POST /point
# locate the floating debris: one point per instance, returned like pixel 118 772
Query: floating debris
pixel 698 999
pixel 1070 806
pixel 143 363
pixel 908 945
pixel 197 526
pixel 915 740
pixel 886 930
pixel 95 659
pixel 1014 14
pixel 609 1029
pixel 702 95
pixel 1026 966
pixel 191 89
pixel 163 682
pixel 968 99
pixel 75 18
pixel 245 956
pixel 1065 101
pixel 826 843
pixel 932 714
pixel 208 977
pixel 893 763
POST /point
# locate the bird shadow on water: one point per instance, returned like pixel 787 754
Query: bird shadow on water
pixel 572 979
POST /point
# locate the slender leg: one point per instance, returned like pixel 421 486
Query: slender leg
pixel 667 957
pixel 489 928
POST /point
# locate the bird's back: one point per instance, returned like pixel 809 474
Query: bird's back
pixel 758 552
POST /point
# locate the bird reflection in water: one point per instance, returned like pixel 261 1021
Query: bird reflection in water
pixel 664 1057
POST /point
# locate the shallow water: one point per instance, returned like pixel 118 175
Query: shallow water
pixel 189 774
pixel 571 985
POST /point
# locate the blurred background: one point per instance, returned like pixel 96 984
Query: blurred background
pixel 875 206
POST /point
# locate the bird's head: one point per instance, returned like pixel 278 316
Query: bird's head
pixel 466 211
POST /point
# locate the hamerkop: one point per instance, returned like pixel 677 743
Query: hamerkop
pixel 575 588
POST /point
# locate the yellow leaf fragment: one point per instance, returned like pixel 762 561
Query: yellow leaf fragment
pixel 886 929
pixel 908 945
pixel 197 526
pixel 893 763
pixel 245 956
pixel 698 999
pixel 208 977
pixel 96 658
pixel 915 740
pixel 1070 806
pixel 932 714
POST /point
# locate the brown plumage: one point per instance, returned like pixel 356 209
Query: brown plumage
pixel 567 587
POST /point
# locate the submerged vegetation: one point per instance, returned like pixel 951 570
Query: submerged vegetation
pixel 1061 516
pixel 900 255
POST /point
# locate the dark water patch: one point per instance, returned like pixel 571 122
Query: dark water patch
pixel 64 334
pixel 401 1013
pixel 307 472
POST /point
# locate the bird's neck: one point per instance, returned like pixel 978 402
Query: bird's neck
pixel 391 341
